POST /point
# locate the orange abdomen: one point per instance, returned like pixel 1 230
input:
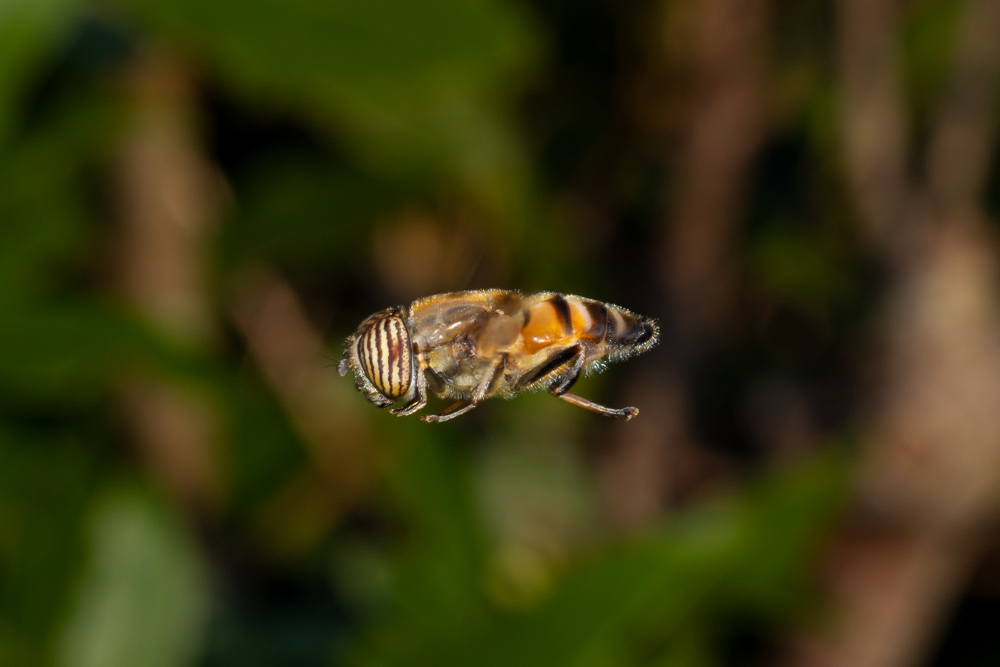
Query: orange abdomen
pixel 564 320
pixel 559 320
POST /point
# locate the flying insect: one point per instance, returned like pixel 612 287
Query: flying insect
pixel 473 345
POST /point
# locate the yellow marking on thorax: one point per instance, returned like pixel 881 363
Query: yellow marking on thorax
pixel 543 328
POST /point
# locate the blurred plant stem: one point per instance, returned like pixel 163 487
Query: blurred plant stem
pixel 875 128
pixel 289 352
pixel 723 131
pixel 168 200
pixel 717 139
pixel 931 482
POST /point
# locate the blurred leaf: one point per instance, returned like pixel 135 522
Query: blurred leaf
pixel 267 449
pixel 302 213
pixel 43 202
pixel 412 88
pixel 929 37
pixel 444 554
pixel 29 30
pixel 46 481
pixel 437 571
pixel 745 556
pixel 71 352
pixel 143 601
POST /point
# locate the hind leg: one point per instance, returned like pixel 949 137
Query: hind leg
pixel 565 378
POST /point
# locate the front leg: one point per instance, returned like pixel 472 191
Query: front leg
pixel 452 411
pixel 478 396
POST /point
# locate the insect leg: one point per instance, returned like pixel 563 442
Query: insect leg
pixel 420 399
pixel 561 384
pixel 452 411
pixel 461 407
pixel 567 378
pixel 623 413
pixel 489 379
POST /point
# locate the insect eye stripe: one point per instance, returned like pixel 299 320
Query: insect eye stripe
pixel 384 363
pixel 399 357
pixel 392 358
pixel 362 351
pixel 376 354
pixel 368 354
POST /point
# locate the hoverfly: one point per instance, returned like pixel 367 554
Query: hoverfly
pixel 470 346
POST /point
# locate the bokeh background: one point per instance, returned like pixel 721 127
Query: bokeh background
pixel 199 199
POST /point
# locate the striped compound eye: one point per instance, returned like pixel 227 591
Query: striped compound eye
pixel 385 354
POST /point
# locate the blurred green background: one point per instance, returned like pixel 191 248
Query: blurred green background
pixel 199 200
